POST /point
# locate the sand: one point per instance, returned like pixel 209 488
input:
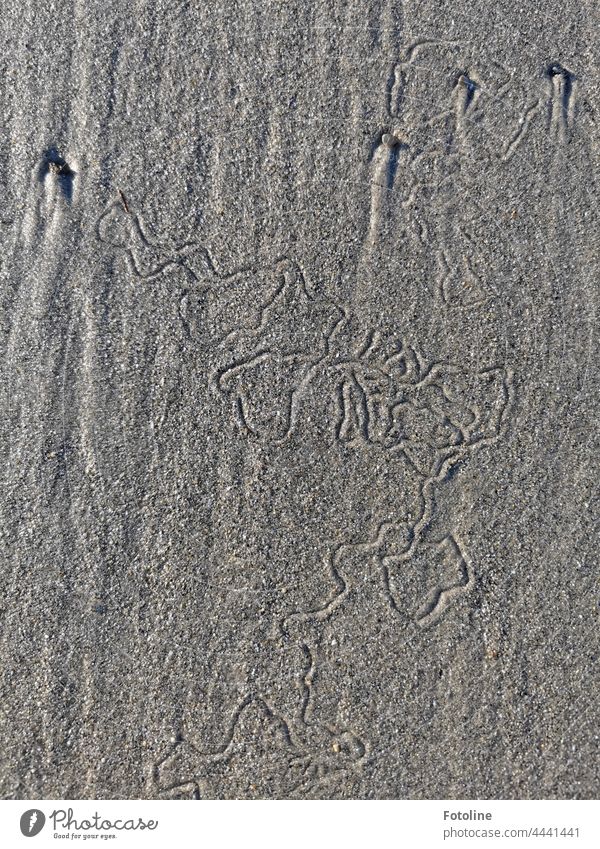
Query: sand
pixel 299 399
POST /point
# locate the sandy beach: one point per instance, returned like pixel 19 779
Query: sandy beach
pixel 299 400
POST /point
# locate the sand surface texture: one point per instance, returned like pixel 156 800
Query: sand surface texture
pixel 299 399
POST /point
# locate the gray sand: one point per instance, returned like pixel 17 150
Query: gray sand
pixel 299 397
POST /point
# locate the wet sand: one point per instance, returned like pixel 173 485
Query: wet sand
pixel 299 400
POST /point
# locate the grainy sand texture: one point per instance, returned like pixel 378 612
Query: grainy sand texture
pixel 299 399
